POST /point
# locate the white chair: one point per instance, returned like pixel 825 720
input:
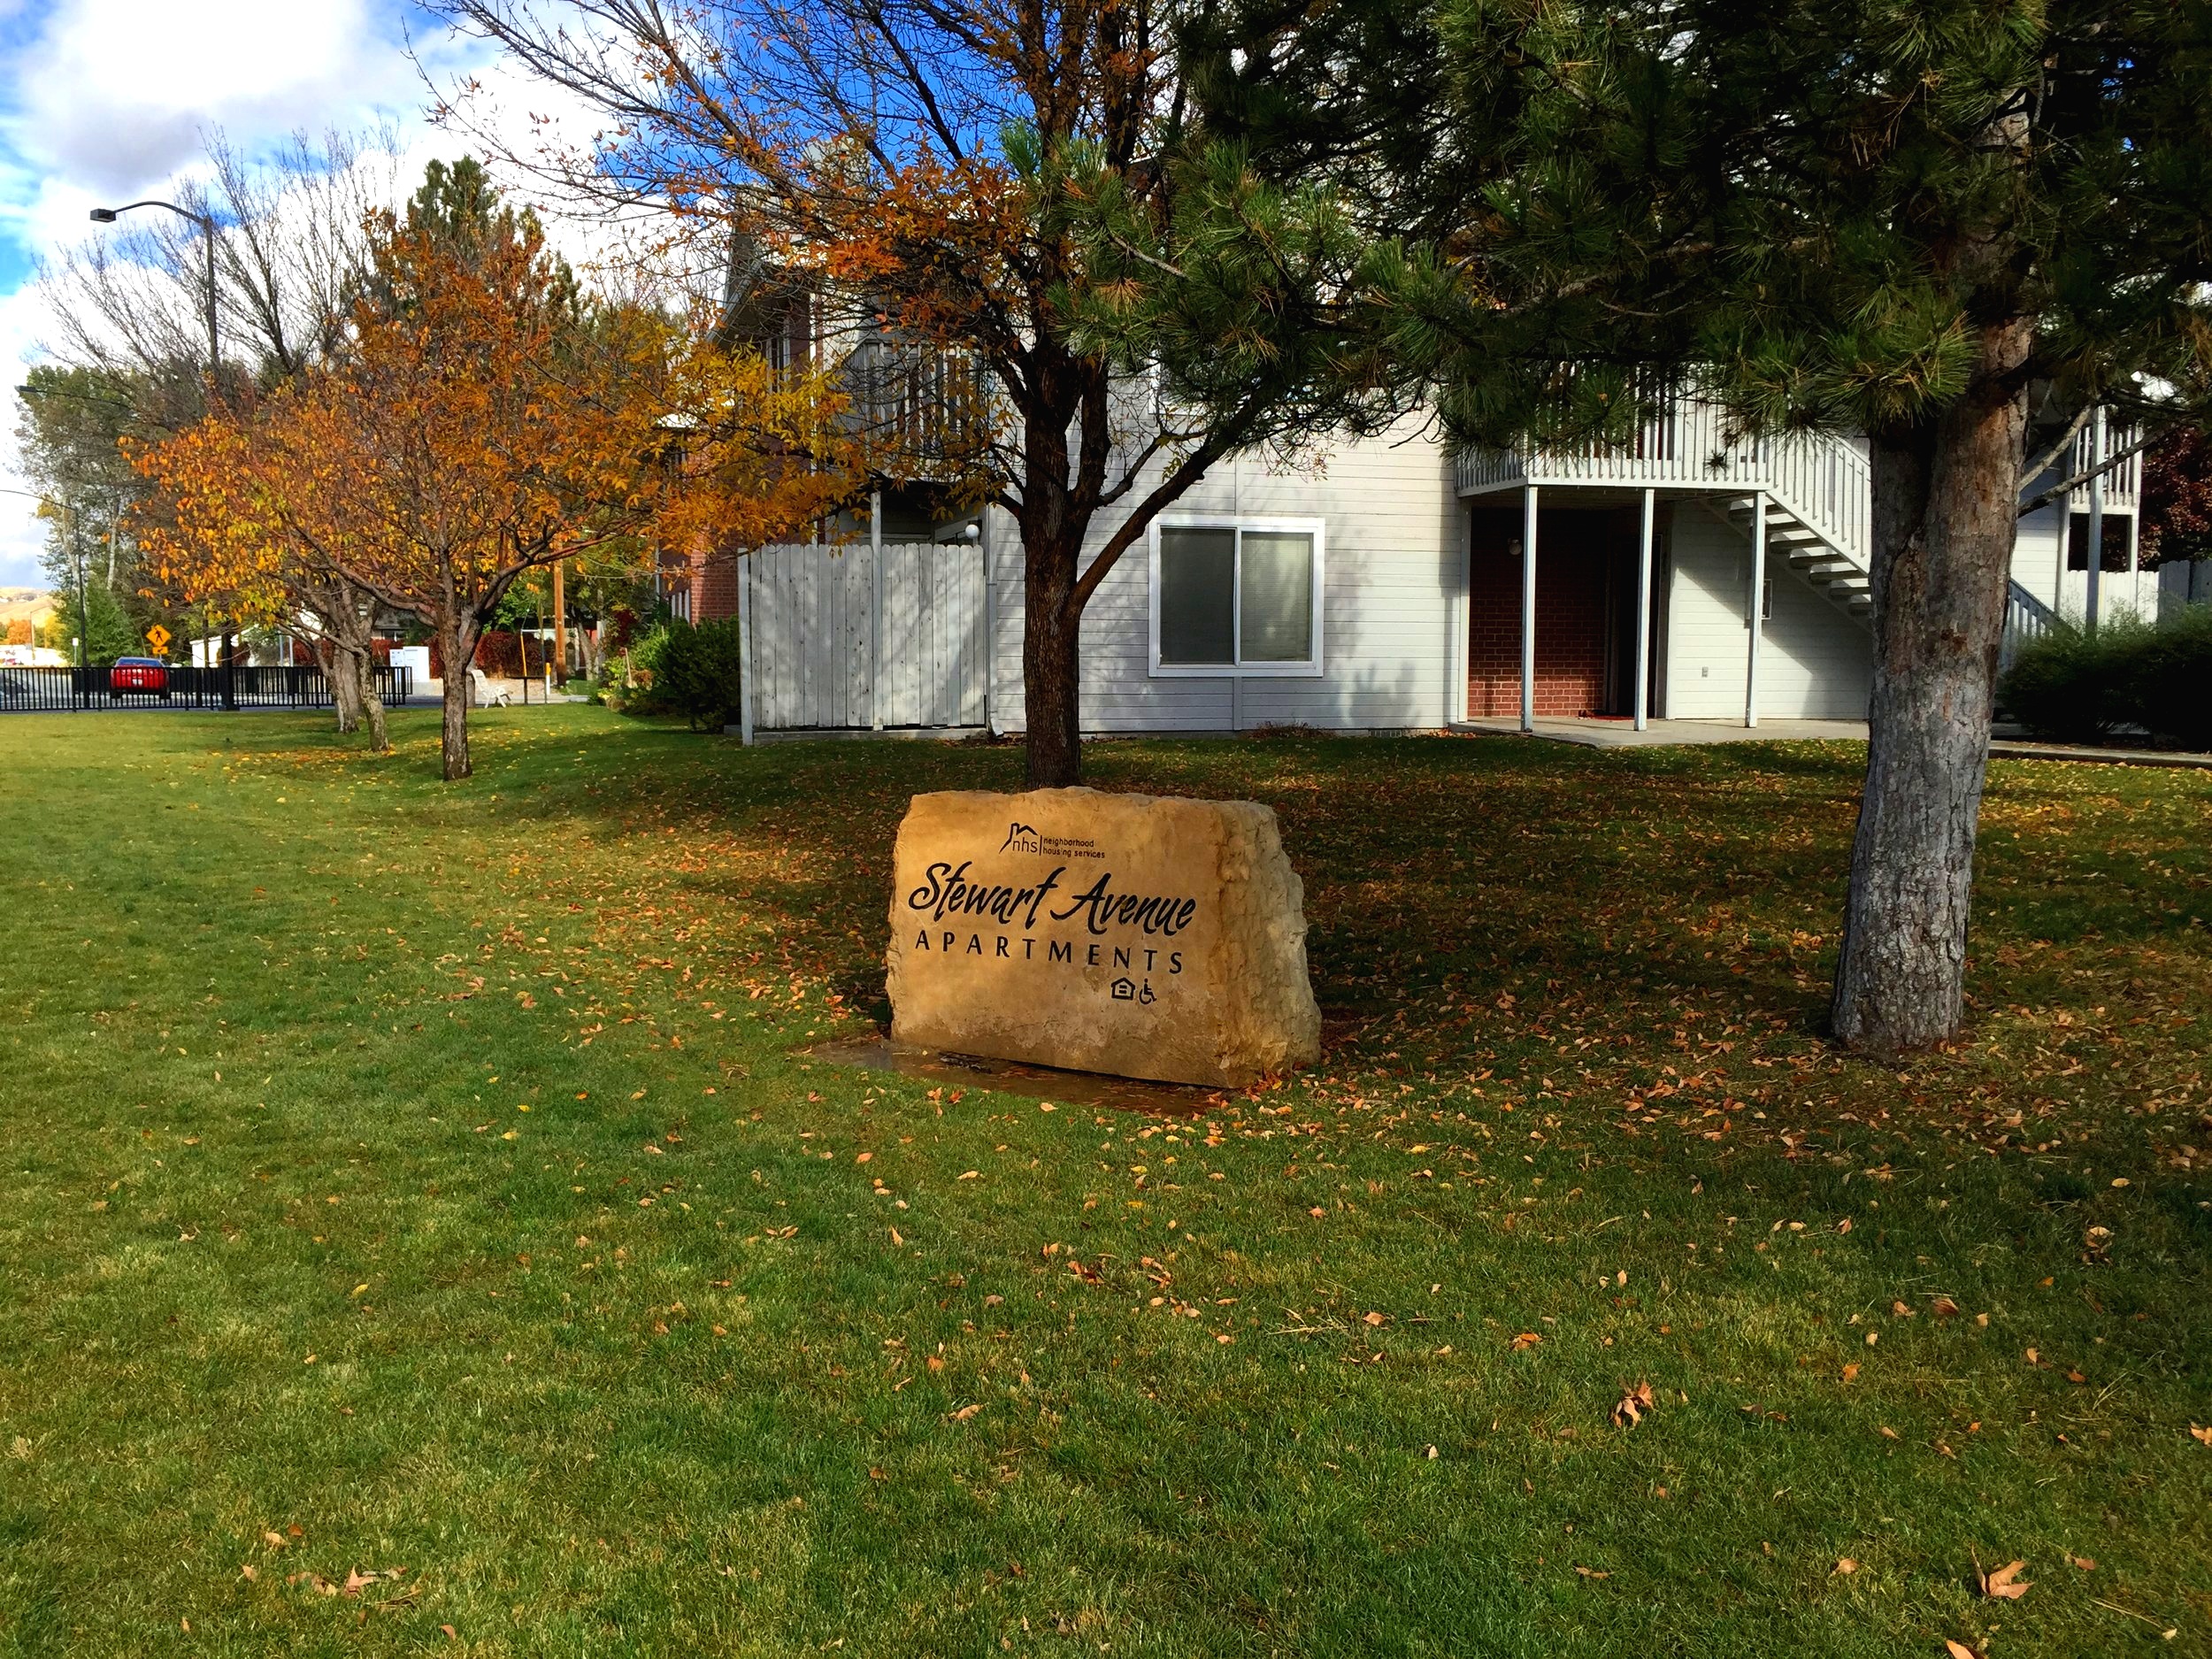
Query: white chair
pixel 483 693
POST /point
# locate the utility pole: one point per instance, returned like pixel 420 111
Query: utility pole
pixel 84 610
pixel 560 626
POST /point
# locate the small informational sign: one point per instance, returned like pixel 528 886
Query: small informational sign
pixel 159 638
pixel 1137 935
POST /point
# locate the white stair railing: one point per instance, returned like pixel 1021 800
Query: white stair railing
pixel 1825 483
pixel 1822 480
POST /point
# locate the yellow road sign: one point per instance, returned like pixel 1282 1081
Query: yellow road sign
pixel 157 637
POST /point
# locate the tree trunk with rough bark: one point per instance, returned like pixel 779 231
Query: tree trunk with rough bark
pixel 340 670
pixel 1943 502
pixel 1051 670
pixel 456 645
pixel 372 706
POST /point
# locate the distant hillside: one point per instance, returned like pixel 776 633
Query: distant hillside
pixel 24 602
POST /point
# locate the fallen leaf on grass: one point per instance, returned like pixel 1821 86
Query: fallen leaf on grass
pixel 1960 1650
pixel 1592 1572
pixel 1850 1374
pixel 1944 1308
pixel 1844 1563
pixel 1372 1318
pixel 2084 1561
pixel 2005 1584
pixel 1527 1339
pixel 965 1412
pixel 2201 1434
pixel 1633 1403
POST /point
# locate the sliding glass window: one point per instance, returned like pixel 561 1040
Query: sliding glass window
pixel 1237 597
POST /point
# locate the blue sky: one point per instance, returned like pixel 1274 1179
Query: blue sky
pixel 104 101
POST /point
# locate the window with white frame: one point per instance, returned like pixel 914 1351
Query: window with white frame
pixel 1236 597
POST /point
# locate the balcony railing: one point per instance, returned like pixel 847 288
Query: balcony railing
pixel 2123 485
pixel 1823 479
pixel 1689 444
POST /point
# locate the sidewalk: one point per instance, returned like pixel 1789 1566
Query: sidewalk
pixel 1622 733
pixel 1614 733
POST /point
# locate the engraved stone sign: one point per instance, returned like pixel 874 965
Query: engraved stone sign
pixel 1140 935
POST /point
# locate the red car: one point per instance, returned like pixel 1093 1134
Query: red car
pixel 144 675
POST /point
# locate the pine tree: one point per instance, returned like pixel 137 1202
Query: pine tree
pixel 1906 219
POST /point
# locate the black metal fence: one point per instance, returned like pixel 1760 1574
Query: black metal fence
pixel 55 690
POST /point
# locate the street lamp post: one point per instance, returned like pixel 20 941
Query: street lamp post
pixel 84 610
pixel 206 222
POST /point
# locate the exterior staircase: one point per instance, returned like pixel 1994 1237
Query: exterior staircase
pixel 1836 574
pixel 1819 491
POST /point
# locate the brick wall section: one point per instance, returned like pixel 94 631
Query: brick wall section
pixel 1573 549
pixel 710 575
pixel 714 587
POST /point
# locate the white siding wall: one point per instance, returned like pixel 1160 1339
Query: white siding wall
pixel 2039 553
pixel 1815 662
pixel 1391 564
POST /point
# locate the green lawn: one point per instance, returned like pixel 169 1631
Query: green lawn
pixel 422 1180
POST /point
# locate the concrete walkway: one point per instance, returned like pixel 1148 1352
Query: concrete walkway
pixel 1663 733
pixel 2013 748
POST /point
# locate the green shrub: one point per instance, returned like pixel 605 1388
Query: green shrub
pixel 2170 678
pixel 688 670
pixel 2067 685
pixel 2071 686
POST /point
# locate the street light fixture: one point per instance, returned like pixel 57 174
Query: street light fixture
pixel 206 222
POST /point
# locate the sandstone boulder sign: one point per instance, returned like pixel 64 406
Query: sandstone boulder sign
pixel 1139 936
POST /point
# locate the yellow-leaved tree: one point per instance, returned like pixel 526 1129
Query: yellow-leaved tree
pixel 481 420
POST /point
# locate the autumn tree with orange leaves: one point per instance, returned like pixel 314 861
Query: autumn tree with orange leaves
pixel 1008 184
pixel 482 421
pixel 208 533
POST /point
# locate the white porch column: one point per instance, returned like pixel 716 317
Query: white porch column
pixel 1457 651
pixel 2095 561
pixel 875 608
pixel 2135 563
pixel 1755 619
pixel 1643 611
pixel 745 648
pixel 990 623
pixel 1528 607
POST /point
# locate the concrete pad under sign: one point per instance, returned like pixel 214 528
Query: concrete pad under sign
pixel 1012 1077
pixel 1137 935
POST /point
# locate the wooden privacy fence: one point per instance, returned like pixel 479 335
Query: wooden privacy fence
pixel 855 638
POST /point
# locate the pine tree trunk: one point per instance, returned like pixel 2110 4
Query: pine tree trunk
pixel 1051 685
pixel 1944 503
pixel 456 644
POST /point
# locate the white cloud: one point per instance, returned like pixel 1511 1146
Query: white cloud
pixel 116 92
pixel 108 101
